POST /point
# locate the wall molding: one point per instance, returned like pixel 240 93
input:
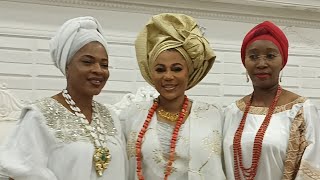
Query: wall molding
pixel 302 47
pixel 253 11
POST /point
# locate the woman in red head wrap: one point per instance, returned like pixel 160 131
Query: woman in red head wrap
pixel 270 134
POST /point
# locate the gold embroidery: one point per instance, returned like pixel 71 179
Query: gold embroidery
pixel 131 144
pixel 200 108
pixel 308 171
pixel 212 143
pixel 264 110
pixel 162 161
pixel 296 146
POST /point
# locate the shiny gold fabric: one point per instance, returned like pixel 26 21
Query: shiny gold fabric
pixel 174 31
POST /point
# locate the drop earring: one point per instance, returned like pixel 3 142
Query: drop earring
pixel 247 76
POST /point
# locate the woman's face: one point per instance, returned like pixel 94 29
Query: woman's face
pixel 263 62
pixel 87 72
pixel 170 74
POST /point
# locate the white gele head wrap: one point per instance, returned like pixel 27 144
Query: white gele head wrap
pixel 73 35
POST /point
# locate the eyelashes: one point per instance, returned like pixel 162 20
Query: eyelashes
pixel 163 69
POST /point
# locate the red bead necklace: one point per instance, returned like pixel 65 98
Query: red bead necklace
pixel 173 139
pixel 250 173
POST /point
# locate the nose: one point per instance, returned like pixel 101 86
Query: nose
pixel 262 62
pixel 96 68
pixel 168 75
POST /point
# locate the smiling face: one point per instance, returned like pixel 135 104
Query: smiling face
pixel 170 74
pixel 263 62
pixel 87 72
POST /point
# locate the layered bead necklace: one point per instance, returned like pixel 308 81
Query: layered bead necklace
pixel 102 156
pixel 173 142
pixel 250 173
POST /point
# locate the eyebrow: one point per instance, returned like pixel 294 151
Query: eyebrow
pixel 268 49
pixel 175 64
pixel 92 57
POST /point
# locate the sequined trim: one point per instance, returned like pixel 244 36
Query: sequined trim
pixel 131 144
pixel 66 126
pixel 264 110
pixel 296 146
pixel 308 171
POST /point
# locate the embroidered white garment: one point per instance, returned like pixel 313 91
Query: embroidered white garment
pixel 164 131
pixel 48 143
pixel 198 149
pixel 276 139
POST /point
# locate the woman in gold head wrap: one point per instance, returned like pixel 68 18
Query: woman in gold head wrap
pixel 173 137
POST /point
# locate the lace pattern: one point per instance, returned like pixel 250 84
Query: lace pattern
pixel 308 172
pixel 296 146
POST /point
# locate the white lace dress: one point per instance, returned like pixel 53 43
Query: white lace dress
pixel 48 143
pixel 283 147
pixel 198 149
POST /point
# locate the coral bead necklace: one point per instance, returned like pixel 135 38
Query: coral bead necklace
pixel 173 142
pixel 250 173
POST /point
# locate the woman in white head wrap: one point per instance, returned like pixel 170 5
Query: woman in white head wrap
pixel 173 137
pixel 69 136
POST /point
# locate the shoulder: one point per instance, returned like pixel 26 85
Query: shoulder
pixel 310 109
pixel 204 108
pixel 108 117
pixel 105 111
pixel 207 116
pixel 200 105
pixel 37 109
pixel 136 107
pixel 142 105
pixel 290 97
pixel 237 105
pixel 34 117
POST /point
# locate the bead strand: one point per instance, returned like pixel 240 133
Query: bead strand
pixel 173 141
pixel 250 173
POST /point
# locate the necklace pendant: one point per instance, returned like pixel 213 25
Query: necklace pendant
pixel 101 158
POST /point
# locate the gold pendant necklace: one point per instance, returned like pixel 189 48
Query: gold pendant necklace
pixel 173 117
pixel 101 156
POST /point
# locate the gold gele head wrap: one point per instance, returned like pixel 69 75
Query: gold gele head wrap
pixel 174 31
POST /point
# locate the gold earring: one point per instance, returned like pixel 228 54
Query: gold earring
pixel 247 76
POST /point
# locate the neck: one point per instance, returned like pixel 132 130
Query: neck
pixel 174 105
pixel 264 97
pixel 84 102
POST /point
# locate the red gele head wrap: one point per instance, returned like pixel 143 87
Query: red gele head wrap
pixel 266 31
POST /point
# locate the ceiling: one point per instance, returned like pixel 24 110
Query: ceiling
pixel 305 13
